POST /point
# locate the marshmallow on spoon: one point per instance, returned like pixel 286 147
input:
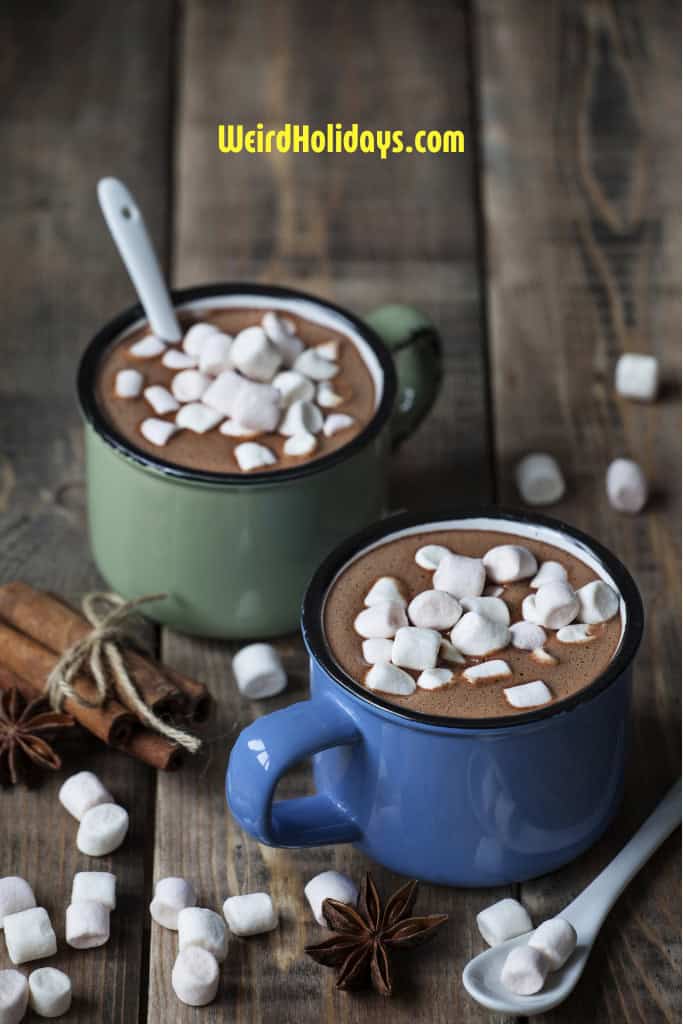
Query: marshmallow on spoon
pixel 94 885
pixel 429 556
pixel 157 432
pixel 49 992
pixel 524 971
pixel 87 924
pixel 460 576
pixel 598 602
pixel 293 387
pixel 503 920
pixel 171 895
pixel 490 607
pixel 386 588
pixel 549 572
pixel 434 678
pixel 330 885
pixel 161 400
pixel 15 895
pixel 627 489
pixel 196 338
pixel 556 939
pixel 508 563
pixel 253 456
pixel 148 347
pixel 376 651
pixel 214 356
pixel 381 620
pixel 198 926
pixel 128 384
pixel 528 695
pixel 250 914
pixel 387 678
pixel 257 406
pixel 29 935
pixel 477 636
pixel 539 479
pixel 637 376
pixel 258 671
pixel 13 997
pixel 198 418
pixel 254 354
pixel 434 609
pixel 282 333
pixel 554 605
pixel 102 830
pixel 81 792
pixel 195 976
pixel 526 636
pixel 487 671
pixel 415 648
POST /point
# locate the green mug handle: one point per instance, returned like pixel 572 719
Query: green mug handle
pixel 415 346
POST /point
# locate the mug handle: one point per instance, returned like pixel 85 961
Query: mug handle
pixel 265 751
pixel 415 346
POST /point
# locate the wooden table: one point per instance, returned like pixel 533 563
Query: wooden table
pixel 546 249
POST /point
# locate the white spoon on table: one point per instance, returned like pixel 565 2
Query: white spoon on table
pixel 127 227
pixel 586 913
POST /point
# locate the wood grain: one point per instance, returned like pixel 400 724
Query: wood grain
pixel 73 76
pixel 581 172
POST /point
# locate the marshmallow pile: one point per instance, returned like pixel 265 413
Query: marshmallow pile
pixel 202 935
pixel 262 380
pixel 527 965
pixel 460 619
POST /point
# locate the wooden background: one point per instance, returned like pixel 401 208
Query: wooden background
pixel 549 247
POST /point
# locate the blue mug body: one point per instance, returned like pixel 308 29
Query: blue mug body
pixel 454 802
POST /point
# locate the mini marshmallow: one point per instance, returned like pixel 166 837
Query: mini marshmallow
pixel 255 355
pixel 637 376
pixel 579 633
pixel 598 602
pixel 377 651
pixel 81 792
pixel 174 359
pixel 478 636
pixel 327 397
pixel 49 992
pixel 282 333
pixel 524 971
pixel 196 337
pixel 195 976
pixel 429 556
pixel 315 366
pixel 549 572
pixel 528 695
pixel 253 456
pixel 390 679
pixel 128 384
pixel 198 926
pixel 336 422
pixel 460 576
pixel 29 935
pixel 214 356
pixel 539 479
pixel 102 830
pixel 301 416
pixel 556 939
pixel 161 400
pixel 434 609
pixel 449 653
pixel 415 648
pixel 508 563
pixel 13 997
pixel 299 445
pixel 543 657
pixel 526 636
pixel 627 489
pixel 198 418
pixel 257 406
pixel 94 885
pixel 381 620
pixel 330 885
pixel 293 387
pixel 487 671
pixel 189 385
pixel 250 914
pixel 258 671
pixel 554 605
pixel 87 924
pixel 171 895
pixel 231 428
pixel 434 678
pixel 386 588
pixel 158 432
pixel 15 895
pixel 490 607
pixel 329 350
pixel 503 920
pixel 148 347
pixel 222 392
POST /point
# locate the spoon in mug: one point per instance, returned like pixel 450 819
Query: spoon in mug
pixel 127 227
pixel 586 913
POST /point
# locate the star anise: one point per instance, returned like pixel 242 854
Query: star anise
pixel 22 729
pixel 367 935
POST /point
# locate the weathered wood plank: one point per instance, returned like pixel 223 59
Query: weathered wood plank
pixel 66 122
pixel 581 163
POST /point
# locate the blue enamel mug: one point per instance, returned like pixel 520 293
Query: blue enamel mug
pixel 464 802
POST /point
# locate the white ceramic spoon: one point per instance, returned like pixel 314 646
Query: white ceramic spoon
pixel 587 912
pixel 128 230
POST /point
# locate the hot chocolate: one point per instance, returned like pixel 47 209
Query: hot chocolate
pixel 471 623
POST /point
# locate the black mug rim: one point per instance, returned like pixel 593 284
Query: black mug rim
pixel 90 361
pixel 316 593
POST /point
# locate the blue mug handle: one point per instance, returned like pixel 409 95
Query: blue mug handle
pixel 265 751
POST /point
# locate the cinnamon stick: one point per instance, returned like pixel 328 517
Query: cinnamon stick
pixel 198 699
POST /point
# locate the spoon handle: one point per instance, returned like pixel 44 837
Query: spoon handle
pixel 591 907
pixel 128 230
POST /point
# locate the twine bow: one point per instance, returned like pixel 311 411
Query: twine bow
pixel 101 651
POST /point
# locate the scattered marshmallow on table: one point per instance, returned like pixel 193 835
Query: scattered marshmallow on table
pixel 336 422
pixel 214 356
pixel 477 636
pixel 528 695
pixel 549 572
pixel 377 650
pixel 315 366
pixel 250 914
pixel 434 678
pixel 254 354
pixel 579 633
pixel 637 376
pixel 300 416
pixel 487 671
pixel 415 648
pixel 175 359
pixel 329 885
pixel 148 347
pixel 326 396
pixel 434 609
pixel 257 406
pixel 429 556
pixel 189 385
pixel 460 575
pixel 381 620
pixel 157 432
pixel 490 607
pixel 293 387
pixel 503 920
pixel 387 678
pixel 282 332
pixel 598 602
pixel 195 976
pixel 258 671
pixel 81 792
pixel 222 392
pixel 171 895
pixel 524 971
pixel 553 605
pixel 198 418
pixel 556 939
pixel 386 588
pixel 87 924
pixel 94 885
pixel 507 563
pixel 539 479
pixel 198 926
pixel 29 935
pixel 253 456
pixel 13 997
pixel 128 383
pixel 15 895
pixel 196 337
pixel 49 992
pixel 627 489
pixel 300 444
pixel 102 830
pixel 526 636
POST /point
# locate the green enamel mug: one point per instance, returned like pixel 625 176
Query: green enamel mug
pixel 233 552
